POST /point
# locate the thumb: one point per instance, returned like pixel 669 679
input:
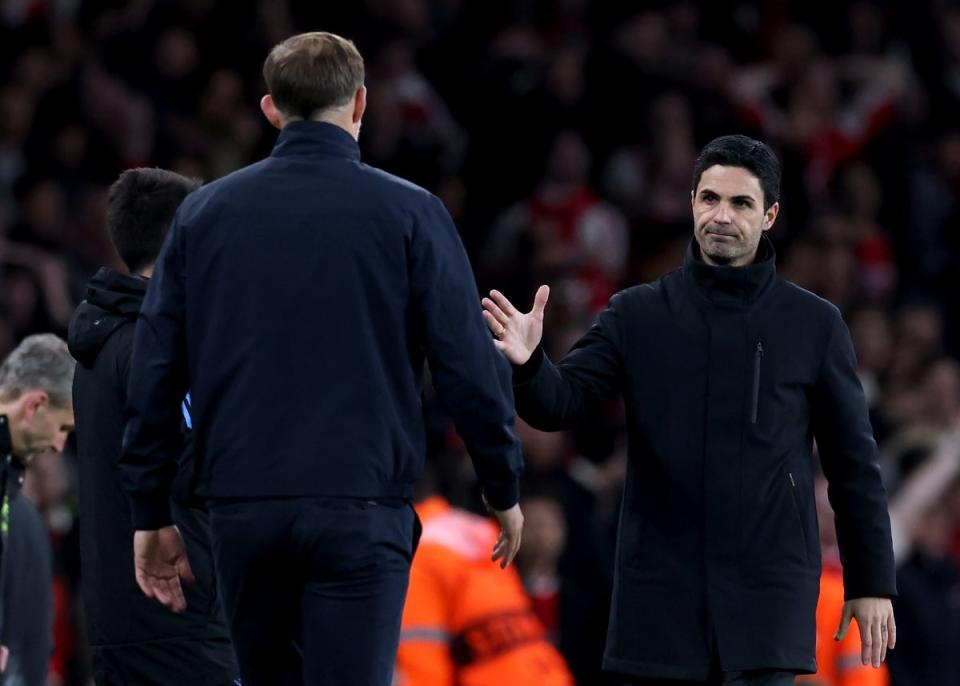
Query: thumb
pixel 540 299
pixel 844 623
pixel 184 571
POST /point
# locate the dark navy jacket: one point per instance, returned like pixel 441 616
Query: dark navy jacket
pixel 297 298
pixel 728 374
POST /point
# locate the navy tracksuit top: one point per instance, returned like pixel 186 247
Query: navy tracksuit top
pixel 297 299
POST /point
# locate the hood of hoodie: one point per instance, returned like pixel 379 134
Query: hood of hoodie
pixel 112 300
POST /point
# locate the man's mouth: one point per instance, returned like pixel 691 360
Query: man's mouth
pixel 719 233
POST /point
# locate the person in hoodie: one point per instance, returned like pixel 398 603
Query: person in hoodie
pixel 133 639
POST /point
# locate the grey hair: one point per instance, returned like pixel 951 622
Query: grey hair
pixel 41 362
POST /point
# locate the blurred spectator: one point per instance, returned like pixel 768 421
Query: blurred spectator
pixel 838 662
pixel 466 621
pixel 564 229
pixel 928 605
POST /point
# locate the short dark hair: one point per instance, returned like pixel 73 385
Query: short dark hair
pixel 742 151
pixel 312 72
pixel 140 207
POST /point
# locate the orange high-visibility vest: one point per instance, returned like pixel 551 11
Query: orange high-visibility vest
pixel 838 663
pixel 466 621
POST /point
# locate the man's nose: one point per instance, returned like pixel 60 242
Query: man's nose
pixel 723 214
pixel 59 442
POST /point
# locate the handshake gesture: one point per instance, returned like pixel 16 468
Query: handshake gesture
pixel 517 334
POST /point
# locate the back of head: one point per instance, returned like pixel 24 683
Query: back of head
pixel 41 362
pixel 140 208
pixel 311 73
pixel 745 152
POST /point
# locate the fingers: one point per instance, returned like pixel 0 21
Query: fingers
pixel 512 552
pixel 505 305
pixel 165 589
pixel 877 641
pixel 170 593
pixel 891 631
pixel 496 328
pixel 184 571
pixel 495 311
pixel 844 624
pixel 866 642
pixel 540 299
pixel 505 549
pixel 144 585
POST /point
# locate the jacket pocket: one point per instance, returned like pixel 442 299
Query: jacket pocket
pixel 792 487
pixel 755 397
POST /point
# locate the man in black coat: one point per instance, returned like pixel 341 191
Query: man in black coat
pixel 297 299
pixel 36 415
pixel 133 639
pixel 728 374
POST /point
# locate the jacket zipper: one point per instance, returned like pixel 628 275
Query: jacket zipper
pixel 796 509
pixel 755 406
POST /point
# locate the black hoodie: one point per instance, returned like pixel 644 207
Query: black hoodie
pixel 117 612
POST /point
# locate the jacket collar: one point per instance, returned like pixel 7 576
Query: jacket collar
pixel 734 286
pixel 6 442
pixel 315 138
pixel 9 462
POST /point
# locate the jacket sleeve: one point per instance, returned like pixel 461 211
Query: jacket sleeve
pixel 157 382
pixel 471 377
pixel 553 397
pixel 848 453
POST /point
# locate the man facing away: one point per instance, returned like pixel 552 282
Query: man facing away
pixel 133 640
pixel 297 299
pixel 36 415
pixel 728 374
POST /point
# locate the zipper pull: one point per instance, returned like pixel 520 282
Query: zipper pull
pixel 792 482
pixel 759 348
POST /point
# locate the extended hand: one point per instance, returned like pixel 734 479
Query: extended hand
pixel 511 531
pixel 878 630
pixel 517 334
pixel 160 561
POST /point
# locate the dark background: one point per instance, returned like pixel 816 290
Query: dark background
pixel 561 136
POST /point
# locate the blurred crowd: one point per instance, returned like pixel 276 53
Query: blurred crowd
pixel 561 135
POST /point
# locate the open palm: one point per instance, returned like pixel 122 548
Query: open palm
pixel 517 334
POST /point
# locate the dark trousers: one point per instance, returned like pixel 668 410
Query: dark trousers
pixel 188 661
pixel 763 677
pixel 313 588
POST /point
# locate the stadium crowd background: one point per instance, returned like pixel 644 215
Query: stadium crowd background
pixel 561 135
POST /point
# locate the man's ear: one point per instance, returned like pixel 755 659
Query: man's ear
pixel 270 111
pixel 31 402
pixel 771 216
pixel 359 104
